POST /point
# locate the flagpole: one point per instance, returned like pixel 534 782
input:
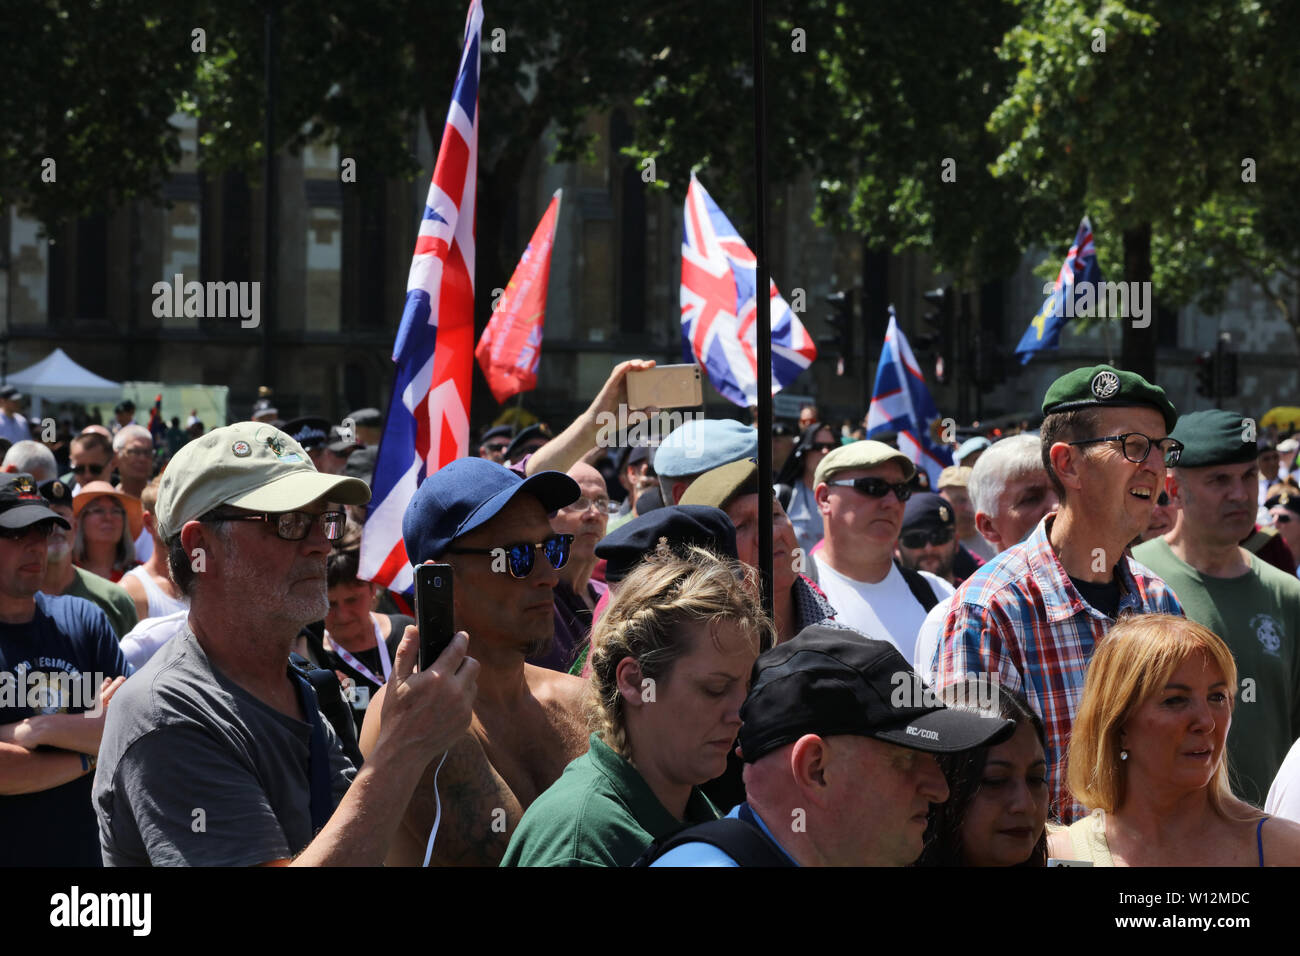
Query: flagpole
pixel 763 300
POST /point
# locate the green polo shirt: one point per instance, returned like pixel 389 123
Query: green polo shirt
pixel 601 812
pixel 1258 617
pixel 113 598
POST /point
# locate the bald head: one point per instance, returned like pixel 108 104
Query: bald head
pixel 585 519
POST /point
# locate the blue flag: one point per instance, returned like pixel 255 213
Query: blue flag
pixel 1080 266
pixel 901 403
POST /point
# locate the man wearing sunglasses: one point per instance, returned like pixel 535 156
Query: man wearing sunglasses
pixel 1249 603
pixel 491 525
pixel 60 666
pixel 928 541
pixel 861 491
pixel 91 455
pixel 220 755
pixel 1031 617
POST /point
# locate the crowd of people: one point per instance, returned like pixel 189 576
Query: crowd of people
pixel 1077 643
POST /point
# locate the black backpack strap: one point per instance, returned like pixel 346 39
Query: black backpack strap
pixel 919 586
pixel 742 841
pixel 331 703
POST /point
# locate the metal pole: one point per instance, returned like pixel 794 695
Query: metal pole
pixel 764 317
pixel 270 195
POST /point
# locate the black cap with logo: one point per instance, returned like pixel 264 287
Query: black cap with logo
pixel 21 504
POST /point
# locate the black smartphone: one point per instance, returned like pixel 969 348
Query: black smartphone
pixel 433 610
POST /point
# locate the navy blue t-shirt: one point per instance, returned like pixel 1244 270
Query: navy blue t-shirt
pixel 54 664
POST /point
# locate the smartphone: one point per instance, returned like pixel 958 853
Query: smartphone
pixel 433 610
pixel 665 386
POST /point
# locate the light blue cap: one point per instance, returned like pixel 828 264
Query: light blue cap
pixel 701 445
pixel 969 447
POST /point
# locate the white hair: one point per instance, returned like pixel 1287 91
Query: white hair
pixel 129 433
pixel 1003 462
pixel 33 458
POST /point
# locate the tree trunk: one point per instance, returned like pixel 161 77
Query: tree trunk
pixel 1138 346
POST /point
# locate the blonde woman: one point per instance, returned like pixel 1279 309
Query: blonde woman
pixel 1147 752
pixel 671 662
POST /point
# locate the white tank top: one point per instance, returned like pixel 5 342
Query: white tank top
pixel 160 602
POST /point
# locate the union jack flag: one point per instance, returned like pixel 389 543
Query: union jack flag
pixel 901 403
pixel 720 307
pixel 428 414
pixel 1080 265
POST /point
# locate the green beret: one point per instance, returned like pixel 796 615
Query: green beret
pixel 1215 437
pixel 1102 386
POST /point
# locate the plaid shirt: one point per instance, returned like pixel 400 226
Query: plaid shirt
pixel 1021 620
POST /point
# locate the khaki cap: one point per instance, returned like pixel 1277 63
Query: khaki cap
pixel 246 465
pixel 861 454
pixel 954 476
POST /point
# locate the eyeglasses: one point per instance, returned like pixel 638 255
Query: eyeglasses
pixel 88 469
pixel 875 487
pixel 104 512
pixel 602 505
pixel 520 556
pixel 497 447
pixel 42 528
pixel 919 539
pixel 292 525
pixel 1137 446
pixel 137 452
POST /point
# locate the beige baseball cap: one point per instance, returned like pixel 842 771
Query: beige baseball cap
pixel 246 465
pixel 861 454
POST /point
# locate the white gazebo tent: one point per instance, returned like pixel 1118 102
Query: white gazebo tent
pixel 57 378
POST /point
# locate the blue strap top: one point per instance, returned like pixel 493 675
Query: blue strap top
pixel 1259 839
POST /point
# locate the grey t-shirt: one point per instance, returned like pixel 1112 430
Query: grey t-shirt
pixel 195 771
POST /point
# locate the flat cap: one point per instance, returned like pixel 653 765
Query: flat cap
pixel 861 454
pixel 1103 386
pixel 680 525
pixel 1215 437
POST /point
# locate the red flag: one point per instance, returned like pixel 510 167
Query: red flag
pixel 511 344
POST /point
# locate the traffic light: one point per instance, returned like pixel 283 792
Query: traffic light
pixel 1207 374
pixel 840 320
pixel 1226 361
pixel 939 317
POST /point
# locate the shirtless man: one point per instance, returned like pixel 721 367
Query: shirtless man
pixel 528 722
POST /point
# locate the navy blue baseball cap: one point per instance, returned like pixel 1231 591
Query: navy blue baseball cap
pixel 701 445
pixel 470 492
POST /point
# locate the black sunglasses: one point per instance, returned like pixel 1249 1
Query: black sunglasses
pixel 875 487
pixel 520 556
pixel 919 539
pixel 92 469
pixel 825 446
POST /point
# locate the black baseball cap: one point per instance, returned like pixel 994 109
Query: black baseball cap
pixel 926 512
pixel 830 680
pixel 21 504
pixel 56 492
pixel 680 525
pixel 540 432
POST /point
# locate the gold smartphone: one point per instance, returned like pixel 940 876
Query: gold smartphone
pixel 665 386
